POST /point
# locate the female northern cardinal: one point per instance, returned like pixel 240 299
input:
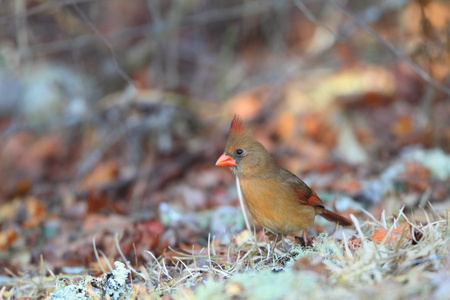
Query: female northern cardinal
pixel 276 198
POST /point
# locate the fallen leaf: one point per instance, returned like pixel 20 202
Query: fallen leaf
pixel 22 187
pixel 415 176
pixel 7 237
pixel 403 126
pixel 349 186
pixel 45 148
pixel 311 124
pixel 380 234
pixel 312 264
pixel 36 213
pixel 101 263
pixel 96 202
pixel 153 227
pixel 286 126
pixel 353 243
pixel 102 174
pixel 316 127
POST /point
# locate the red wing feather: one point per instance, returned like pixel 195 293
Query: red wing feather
pixel 307 196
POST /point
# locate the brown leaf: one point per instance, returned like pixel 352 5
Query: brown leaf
pixel 415 176
pixel 403 126
pixel 316 126
pixel 102 174
pixel 153 227
pixel 96 202
pixel 350 186
pixel 22 187
pixel 313 264
pixel 36 213
pixel 45 148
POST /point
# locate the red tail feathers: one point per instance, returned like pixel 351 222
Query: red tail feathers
pixel 333 217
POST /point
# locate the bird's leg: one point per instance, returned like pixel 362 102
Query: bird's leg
pixel 274 244
pixel 285 244
pixel 303 239
pixel 273 238
pixel 308 240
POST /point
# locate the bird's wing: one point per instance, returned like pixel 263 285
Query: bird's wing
pixel 305 194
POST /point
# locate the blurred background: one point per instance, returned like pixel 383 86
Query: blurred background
pixel 113 113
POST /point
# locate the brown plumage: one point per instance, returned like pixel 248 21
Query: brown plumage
pixel 276 198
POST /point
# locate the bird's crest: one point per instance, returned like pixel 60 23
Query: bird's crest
pixel 239 133
pixel 237 127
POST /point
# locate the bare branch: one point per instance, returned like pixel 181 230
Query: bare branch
pixel 105 42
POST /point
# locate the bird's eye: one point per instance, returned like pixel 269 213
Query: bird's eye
pixel 239 151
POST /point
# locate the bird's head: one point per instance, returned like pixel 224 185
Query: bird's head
pixel 244 155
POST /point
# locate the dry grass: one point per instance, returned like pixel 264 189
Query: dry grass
pixel 333 266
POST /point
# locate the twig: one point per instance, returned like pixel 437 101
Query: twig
pixel 38 9
pixel 247 9
pixel 105 42
pixel 308 14
pixel 209 250
pixel 20 7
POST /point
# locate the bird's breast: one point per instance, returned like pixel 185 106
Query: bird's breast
pixel 275 206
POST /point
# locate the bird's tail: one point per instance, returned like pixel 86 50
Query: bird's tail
pixel 333 217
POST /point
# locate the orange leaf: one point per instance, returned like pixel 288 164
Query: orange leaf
pixel 403 126
pixel 311 125
pixel 286 126
pixel 380 234
pixel 353 243
pixel 101 263
pixel 36 212
pixel 102 174
pixel 7 237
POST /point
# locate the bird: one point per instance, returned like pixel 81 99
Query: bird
pixel 276 198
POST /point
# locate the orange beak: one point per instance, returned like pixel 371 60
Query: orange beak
pixel 225 161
